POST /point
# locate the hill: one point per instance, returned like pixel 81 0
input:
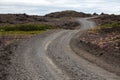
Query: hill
pixel 6 19
pixel 67 13
pixel 19 18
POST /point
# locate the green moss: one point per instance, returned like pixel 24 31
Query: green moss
pixel 27 27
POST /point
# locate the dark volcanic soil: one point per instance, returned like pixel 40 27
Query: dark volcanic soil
pixel 105 19
pixel 6 53
pixel 64 19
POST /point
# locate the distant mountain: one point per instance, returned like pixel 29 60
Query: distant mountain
pixel 67 13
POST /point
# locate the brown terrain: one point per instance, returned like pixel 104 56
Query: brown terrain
pixel 105 19
pixel 9 43
pixel 68 14
pixel 14 19
pixel 64 21
pixel 104 45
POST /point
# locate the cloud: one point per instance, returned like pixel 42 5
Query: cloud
pixel 45 6
pixel 26 2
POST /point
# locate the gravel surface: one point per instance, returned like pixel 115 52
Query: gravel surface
pixel 49 57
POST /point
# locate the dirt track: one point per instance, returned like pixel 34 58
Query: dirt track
pixel 49 57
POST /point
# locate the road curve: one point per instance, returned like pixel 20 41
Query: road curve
pixel 49 57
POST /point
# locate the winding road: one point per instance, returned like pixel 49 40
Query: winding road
pixel 50 57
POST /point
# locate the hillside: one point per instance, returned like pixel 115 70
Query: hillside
pixel 67 14
pixel 15 19
pixel 105 19
pixel 19 19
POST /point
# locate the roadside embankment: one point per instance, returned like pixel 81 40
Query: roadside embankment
pixel 103 43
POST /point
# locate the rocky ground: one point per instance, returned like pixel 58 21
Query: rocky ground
pixel 6 53
pixel 105 19
pixel 105 47
pixel 64 19
pixel 104 44
pixel 8 39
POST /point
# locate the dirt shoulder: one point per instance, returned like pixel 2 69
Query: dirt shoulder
pixel 109 60
pixel 6 54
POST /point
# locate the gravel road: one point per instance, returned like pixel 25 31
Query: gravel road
pixel 49 57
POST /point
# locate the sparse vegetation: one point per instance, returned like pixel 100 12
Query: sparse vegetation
pixel 19 26
pixel 112 27
pixel 11 33
pixel 15 19
pixel 27 27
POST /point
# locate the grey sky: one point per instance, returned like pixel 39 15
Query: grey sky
pixel 41 7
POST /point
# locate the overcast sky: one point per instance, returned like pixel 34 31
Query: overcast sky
pixel 41 7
